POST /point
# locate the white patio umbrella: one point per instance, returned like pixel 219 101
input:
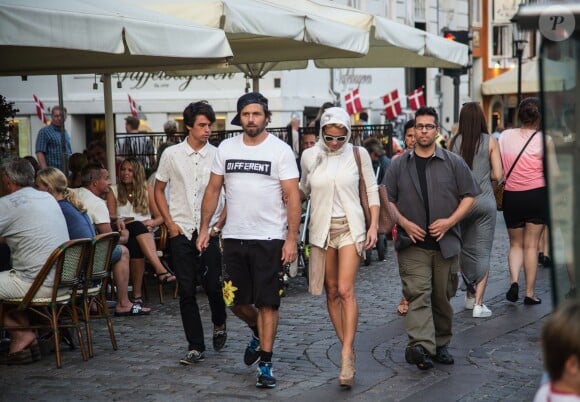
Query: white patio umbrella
pixel 266 36
pixel 392 44
pixel 101 36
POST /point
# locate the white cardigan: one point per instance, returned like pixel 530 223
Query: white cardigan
pixel 321 187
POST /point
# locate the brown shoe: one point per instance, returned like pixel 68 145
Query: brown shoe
pixel 347 371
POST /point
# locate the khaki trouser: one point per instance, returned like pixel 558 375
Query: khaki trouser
pixel 429 282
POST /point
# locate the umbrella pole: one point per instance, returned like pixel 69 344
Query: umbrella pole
pixel 62 125
pixel 256 82
pixel 109 127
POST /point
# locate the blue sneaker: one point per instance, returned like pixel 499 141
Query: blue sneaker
pixel 252 353
pixel 265 377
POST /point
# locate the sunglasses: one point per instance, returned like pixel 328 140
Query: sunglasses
pixel 330 138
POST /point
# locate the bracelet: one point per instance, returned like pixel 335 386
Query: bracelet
pixel 216 229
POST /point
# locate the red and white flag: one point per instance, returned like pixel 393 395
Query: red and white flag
pixel 40 109
pixel 416 98
pixel 392 104
pixel 133 106
pixel 352 102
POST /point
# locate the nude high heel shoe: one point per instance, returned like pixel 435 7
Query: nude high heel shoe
pixel 347 371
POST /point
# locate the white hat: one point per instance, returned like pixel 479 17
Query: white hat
pixel 335 115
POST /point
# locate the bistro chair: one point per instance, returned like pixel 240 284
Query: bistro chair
pixel 58 311
pixel 162 244
pixel 94 287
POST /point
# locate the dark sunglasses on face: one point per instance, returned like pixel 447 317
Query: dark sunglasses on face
pixel 330 138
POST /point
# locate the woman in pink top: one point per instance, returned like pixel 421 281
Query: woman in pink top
pixel 525 202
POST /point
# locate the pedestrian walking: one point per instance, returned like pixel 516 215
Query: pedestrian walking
pixel 338 236
pixel 185 169
pixel 481 153
pixel 525 198
pixel 261 232
pixel 409 143
pixel 431 190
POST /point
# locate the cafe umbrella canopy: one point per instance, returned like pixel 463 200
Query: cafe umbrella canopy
pixel 390 44
pixel 267 36
pixel 104 37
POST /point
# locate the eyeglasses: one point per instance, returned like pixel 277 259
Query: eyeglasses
pixel 428 127
pixel 330 138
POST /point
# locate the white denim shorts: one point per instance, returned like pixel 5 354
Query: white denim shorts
pixel 343 236
pixel 13 287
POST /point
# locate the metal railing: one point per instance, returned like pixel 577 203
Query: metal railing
pixel 148 153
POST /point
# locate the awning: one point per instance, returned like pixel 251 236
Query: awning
pixel 560 77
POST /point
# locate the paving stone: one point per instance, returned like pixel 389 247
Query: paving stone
pixel 497 358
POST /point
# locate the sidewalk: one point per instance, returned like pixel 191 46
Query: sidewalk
pixel 496 358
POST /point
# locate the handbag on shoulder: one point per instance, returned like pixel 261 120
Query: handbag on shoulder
pixel 498 187
pixel 386 217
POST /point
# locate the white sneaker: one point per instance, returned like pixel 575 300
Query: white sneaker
pixel 469 302
pixel 481 311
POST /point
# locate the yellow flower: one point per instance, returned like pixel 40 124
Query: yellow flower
pixel 229 291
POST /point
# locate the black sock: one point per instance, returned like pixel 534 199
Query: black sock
pixel 254 329
pixel 265 357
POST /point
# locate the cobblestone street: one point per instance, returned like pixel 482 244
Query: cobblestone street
pixel 496 358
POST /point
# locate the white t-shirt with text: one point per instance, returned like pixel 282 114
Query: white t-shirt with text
pixel 252 176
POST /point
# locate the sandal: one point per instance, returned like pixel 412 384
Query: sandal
pixel 403 307
pixel 137 300
pixel 165 277
pixel 136 309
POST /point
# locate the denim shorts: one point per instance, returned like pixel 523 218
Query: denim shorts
pixel 116 255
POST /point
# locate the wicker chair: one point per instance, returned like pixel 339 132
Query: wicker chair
pixel 59 310
pixel 162 243
pixel 95 285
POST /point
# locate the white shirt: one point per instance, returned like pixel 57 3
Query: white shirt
pixel 187 173
pixel 547 394
pixel 96 207
pixel 252 176
pixel 324 185
pixel 128 210
pixel 33 226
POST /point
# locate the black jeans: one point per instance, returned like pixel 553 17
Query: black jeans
pixel 211 278
pixel 187 264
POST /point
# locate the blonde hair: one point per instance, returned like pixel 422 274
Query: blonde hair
pixel 57 183
pixel 140 200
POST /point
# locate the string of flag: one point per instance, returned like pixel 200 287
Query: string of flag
pixel 40 109
pixel 133 106
pixel 391 102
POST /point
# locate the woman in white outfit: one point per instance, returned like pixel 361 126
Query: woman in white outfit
pixel 338 236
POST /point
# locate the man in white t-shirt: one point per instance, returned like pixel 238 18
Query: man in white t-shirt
pixel 33 226
pixel 95 184
pixel 184 168
pixel 260 234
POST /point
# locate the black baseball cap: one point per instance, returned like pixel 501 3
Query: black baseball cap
pixel 248 99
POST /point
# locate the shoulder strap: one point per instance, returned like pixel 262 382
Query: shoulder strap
pixel 519 155
pixel 357 158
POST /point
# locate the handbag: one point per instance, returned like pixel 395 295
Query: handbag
pixel 498 187
pixel 402 239
pixel 386 216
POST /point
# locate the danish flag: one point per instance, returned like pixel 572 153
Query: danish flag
pixel 133 106
pixel 40 109
pixel 416 98
pixel 353 103
pixel 392 104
